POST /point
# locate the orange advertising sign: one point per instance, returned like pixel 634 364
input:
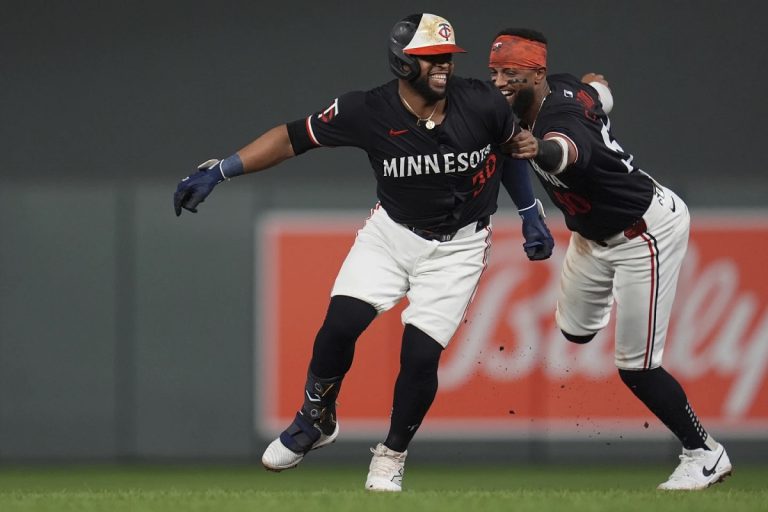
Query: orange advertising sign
pixel 508 372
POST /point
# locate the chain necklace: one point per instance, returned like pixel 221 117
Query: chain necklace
pixel 428 122
pixel 549 91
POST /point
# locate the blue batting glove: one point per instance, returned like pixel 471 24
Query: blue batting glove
pixel 538 240
pixel 193 189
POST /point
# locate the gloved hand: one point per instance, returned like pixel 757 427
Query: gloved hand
pixel 538 240
pixel 193 189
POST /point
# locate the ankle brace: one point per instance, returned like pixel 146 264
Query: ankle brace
pixel 320 401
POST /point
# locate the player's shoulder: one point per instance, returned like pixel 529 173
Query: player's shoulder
pixel 567 89
pixel 570 97
pixel 362 102
pixel 386 90
pixel 383 92
pixel 381 97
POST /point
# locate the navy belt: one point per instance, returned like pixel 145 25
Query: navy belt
pixel 426 234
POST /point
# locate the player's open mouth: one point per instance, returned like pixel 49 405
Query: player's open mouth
pixel 438 79
pixel 509 95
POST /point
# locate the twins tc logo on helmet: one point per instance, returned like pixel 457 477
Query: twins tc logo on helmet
pixel 445 31
pixel 434 35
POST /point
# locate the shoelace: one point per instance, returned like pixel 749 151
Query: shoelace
pixel 684 470
pixel 386 465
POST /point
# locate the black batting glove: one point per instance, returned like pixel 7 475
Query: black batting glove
pixel 538 240
pixel 193 189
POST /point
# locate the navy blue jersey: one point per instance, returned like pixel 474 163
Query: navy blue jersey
pixel 439 179
pixel 603 192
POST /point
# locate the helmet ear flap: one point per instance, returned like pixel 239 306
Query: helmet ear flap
pixel 407 67
pixel 403 65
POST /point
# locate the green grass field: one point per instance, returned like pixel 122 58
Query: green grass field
pixel 338 489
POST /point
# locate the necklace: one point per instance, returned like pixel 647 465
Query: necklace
pixel 428 122
pixel 549 91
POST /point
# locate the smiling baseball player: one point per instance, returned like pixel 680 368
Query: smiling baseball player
pixel 430 139
pixel 629 236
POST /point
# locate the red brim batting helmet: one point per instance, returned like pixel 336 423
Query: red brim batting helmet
pixel 419 34
pixel 434 35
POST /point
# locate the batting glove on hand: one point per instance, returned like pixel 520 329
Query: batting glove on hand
pixel 538 240
pixel 193 189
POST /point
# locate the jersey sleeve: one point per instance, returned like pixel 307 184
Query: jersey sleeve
pixel 340 124
pixel 578 120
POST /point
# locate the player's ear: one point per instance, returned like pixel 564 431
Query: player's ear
pixel 541 75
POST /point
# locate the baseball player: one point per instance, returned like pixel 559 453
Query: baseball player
pixel 431 139
pixel 629 236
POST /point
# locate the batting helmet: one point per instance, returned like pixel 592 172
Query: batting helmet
pixel 419 34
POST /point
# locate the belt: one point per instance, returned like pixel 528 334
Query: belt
pixel 447 237
pixel 634 230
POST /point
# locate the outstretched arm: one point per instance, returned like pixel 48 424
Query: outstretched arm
pixel 266 151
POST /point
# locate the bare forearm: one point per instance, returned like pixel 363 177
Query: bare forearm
pixel 267 150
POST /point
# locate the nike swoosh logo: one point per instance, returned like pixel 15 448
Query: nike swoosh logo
pixel 673 204
pixel 709 472
pixel 316 399
pixel 395 133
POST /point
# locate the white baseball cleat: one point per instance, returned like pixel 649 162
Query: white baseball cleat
pixel 698 469
pixel 278 457
pixel 386 470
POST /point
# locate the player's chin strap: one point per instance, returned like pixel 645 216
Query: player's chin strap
pixel 552 155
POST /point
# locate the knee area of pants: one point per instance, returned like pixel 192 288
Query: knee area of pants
pixel 423 365
pixel 347 317
pixel 639 376
pixel 420 353
pixel 340 329
pixel 573 338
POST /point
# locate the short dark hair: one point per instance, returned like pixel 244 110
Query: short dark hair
pixel 526 33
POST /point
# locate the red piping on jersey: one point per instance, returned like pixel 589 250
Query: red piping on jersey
pixel 652 306
pixel 310 132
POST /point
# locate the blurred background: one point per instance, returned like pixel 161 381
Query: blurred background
pixel 127 334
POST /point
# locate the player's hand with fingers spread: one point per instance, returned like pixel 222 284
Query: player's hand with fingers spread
pixel 538 240
pixel 523 145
